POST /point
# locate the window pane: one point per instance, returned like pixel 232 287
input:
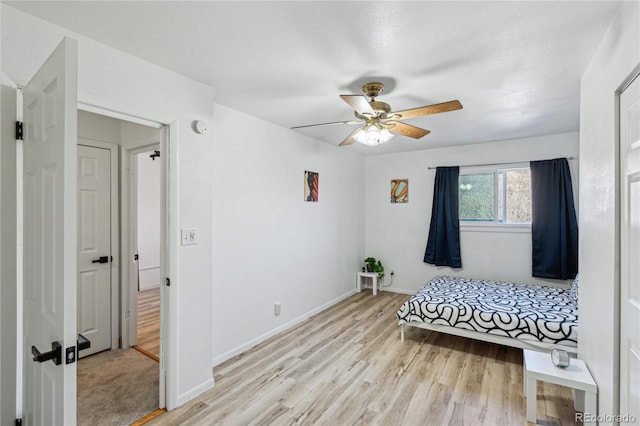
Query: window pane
pixel 518 196
pixel 476 197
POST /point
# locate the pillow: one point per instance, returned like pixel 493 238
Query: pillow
pixel 573 294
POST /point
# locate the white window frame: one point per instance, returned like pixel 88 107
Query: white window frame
pixel 494 225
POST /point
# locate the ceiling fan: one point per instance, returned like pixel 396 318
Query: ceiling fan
pixel 379 123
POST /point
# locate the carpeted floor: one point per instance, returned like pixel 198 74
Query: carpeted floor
pixel 116 387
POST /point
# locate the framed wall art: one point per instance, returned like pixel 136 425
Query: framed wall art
pixel 400 190
pixel 311 186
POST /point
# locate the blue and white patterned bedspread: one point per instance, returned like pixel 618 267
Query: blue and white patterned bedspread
pixel 526 312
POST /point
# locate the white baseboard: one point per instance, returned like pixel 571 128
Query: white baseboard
pixel 149 277
pixel 246 346
pixel 192 393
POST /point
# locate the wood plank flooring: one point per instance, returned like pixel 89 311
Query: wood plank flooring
pixel 347 366
pixel 149 323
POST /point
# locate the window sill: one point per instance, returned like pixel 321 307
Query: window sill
pixel 512 228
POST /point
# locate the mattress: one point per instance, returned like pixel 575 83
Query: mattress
pixel 526 312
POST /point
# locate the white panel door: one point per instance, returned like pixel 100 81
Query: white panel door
pixel 50 188
pixel 94 244
pixel 630 251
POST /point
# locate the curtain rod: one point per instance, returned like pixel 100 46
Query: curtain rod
pixel 497 164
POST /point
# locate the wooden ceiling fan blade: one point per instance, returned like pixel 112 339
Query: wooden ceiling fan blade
pixel 358 103
pixel 329 124
pixel 349 139
pixel 405 129
pixel 426 110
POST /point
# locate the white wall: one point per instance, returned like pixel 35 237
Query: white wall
pixel 99 128
pixel 149 220
pixel 7 255
pixel 135 135
pixel 397 233
pixel 117 81
pixel 614 61
pixel 268 244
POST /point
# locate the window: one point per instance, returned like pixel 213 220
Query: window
pixel 500 196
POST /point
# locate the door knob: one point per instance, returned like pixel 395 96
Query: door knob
pixel 101 259
pixel 55 354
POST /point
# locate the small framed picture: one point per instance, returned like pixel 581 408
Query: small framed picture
pixel 311 186
pixel 400 190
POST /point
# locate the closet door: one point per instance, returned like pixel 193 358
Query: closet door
pixel 94 247
pixel 630 250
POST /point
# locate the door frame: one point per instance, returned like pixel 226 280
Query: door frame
pixel 169 125
pixel 129 193
pixel 622 254
pixel 115 234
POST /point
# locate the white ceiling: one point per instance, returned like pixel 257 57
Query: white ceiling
pixel 515 66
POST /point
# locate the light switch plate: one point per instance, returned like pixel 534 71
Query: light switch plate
pixel 189 236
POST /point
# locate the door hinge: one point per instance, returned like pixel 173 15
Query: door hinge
pixel 19 130
pixel 168 282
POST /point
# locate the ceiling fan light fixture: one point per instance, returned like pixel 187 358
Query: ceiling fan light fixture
pixel 372 134
pixel 376 117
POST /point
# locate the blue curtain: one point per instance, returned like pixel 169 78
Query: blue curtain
pixel 443 245
pixel 554 227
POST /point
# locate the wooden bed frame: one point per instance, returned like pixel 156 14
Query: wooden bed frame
pixel 487 337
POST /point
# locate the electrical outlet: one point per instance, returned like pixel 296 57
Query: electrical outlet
pixel 189 236
pixel 277 308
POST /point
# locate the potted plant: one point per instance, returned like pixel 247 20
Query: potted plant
pixel 374 265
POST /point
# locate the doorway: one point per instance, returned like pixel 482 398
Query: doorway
pixel 145 212
pixel 111 310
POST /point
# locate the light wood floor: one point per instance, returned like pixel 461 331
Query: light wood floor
pixel 347 366
pixel 149 322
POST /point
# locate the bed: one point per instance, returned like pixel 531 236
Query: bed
pixel 519 315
